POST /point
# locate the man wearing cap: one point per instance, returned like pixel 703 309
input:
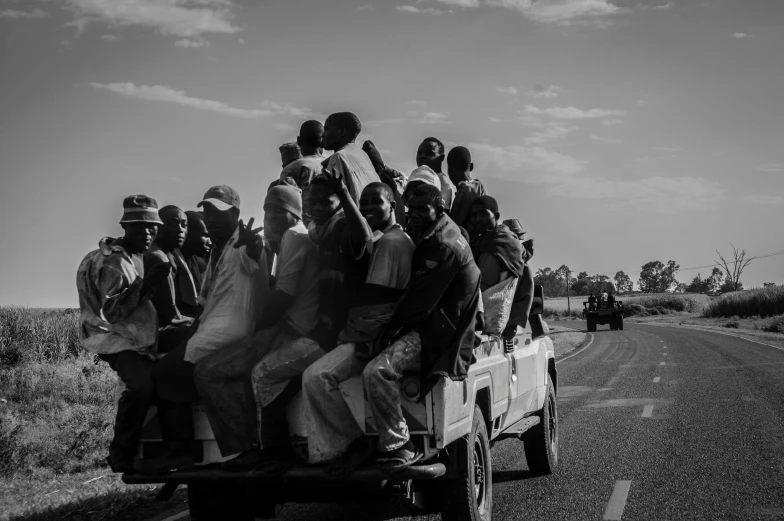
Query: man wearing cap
pixel 304 169
pixel 223 379
pixel 235 286
pixel 431 153
pixel 118 321
pixel 459 167
pixel 421 175
pixel 349 160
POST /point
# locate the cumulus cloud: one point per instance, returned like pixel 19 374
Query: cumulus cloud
pixel 182 18
pixel 562 12
pixel 773 167
pixel 109 38
pixel 550 131
pixel 164 94
pixel 413 117
pixel 764 199
pixel 741 35
pixel 15 14
pixel 459 3
pixel 610 122
pixel 414 9
pixel 506 90
pixel 186 43
pixel 544 91
pixel 524 162
pixel 603 139
pixel 571 112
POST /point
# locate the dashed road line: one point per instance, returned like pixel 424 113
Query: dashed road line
pixel 662 363
pixel 647 411
pixel 656 379
pixel 617 503
pixel 712 331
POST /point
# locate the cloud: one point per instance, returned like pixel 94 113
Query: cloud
pixel 571 112
pixel 510 162
pixel 186 43
pixel 550 131
pixel 414 102
pixel 459 3
pixel 764 199
pixel 741 35
pixel 413 117
pixel 563 12
pixel 773 167
pixel 166 94
pixel 109 38
pixel 434 118
pixel 544 91
pixel 183 18
pixel 16 14
pixel 499 120
pixel 506 90
pixel 365 7
pixel 610 122
pixel 413 9
pixel 602 139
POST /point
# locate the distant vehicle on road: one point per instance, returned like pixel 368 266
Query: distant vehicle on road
pixel 603 313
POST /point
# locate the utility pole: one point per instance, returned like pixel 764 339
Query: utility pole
pixel 568 299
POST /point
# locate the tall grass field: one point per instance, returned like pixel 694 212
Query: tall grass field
pixel 762 302
pixel 642 305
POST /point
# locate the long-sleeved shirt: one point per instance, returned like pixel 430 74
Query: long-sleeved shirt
pixel 177 297
pixel 233 290
pixel 355 166
pixel 114 316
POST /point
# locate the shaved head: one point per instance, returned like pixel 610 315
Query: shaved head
pixel 169 211
pixel 311 136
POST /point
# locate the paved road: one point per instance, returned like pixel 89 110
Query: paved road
pixel 682 424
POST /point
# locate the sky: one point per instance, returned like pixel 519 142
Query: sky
pixel 617 131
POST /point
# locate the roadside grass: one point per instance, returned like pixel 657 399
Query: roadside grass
pixel 761 302
pixel 638 305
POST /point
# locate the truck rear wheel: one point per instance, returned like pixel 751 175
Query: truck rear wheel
pixel 210 501
pixel 470 498
pixel 591 324
pixel 620 322
pixel 541 441
pixel 613 322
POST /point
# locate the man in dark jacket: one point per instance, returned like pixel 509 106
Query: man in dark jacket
pixel 433 326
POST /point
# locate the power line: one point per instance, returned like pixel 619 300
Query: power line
pixel 763 256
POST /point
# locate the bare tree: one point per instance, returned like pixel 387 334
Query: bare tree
pixel 738 265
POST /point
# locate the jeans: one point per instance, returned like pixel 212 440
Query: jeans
pixel 380 379
pixel 331 424
pixel 135 370
pixel 277 372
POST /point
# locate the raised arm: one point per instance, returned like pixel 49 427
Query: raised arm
pixel 358 227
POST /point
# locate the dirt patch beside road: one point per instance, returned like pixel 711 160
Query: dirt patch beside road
pixel 566 339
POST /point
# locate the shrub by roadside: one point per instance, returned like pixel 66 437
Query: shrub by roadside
pixel 763 302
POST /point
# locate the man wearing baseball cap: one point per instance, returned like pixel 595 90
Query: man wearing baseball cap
pixel 233 289
pixel 118 321
pixel 288 317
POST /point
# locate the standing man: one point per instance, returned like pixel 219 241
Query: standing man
pixel 349 161
pixel 433 326
pixel 459 167
pixel 431 153
pixel 118 321
pixel 304 169
pixel 235 286
pixel 196 250
pixel 333 433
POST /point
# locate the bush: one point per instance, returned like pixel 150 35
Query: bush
pixel 765 302
pixel 733 324
pixel 689 303
pixel 776 326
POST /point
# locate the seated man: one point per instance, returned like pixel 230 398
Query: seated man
pixel 234 287
pixel 497 251
pixel 333 434
pixel 176 300
pixel 421 175
pixel 196 249
pixel 433 326
pixel 610 299
pixel 224 379
pixel 459 167
pixel 277 378
pixel 349 160
pixel 118 321
pixel 524 294
pixel 592 302
pixel 430 153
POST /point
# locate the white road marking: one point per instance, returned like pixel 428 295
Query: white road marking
pixel 664 354
pixel 579 351
pixel 175 517
pixel 656 379
pixel 664 347
pixel 717 332
pixel 617 502
pixel 662 363
pixel 647 411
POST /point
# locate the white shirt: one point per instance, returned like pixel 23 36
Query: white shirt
pixel 232 293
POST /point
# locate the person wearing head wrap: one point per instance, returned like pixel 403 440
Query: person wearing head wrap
pixel 301 171
pixel 118 321
pixel 282 328
pixel 459 167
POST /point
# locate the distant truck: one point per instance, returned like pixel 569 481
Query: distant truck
pixel 510 392
pixel 603 313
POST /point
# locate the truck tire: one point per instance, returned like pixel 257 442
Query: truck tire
pixel 591 324
pixel 470 498
pixel 541 442
pixel 211 501
pixel 620 322
pixel 613 322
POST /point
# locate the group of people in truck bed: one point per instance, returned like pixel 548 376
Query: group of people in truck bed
pixel 361 270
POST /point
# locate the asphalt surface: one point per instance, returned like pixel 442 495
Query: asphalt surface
pixel 704 441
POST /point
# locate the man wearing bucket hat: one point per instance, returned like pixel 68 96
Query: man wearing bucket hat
pixel 118 321
pixel 282 327
pixel 235 286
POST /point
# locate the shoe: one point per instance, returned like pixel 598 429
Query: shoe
pixel 163 465
pixel 247 460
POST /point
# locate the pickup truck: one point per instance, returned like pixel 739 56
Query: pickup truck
pixel 510 392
